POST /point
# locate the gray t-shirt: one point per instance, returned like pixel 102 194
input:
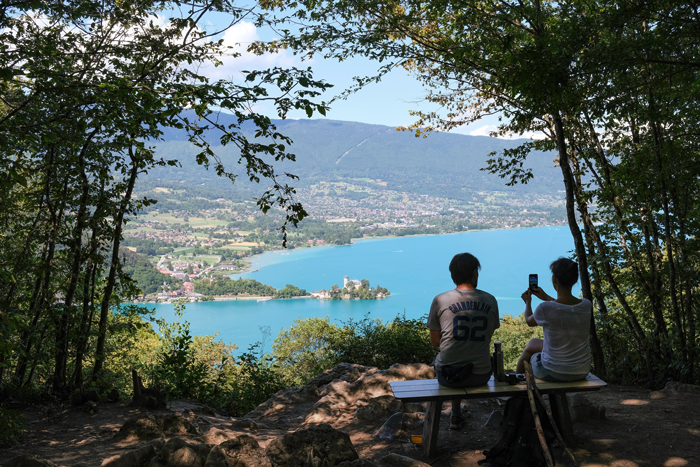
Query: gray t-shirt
pixel 565 328
pixel 466 320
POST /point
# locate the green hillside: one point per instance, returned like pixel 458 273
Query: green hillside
pixel 442 164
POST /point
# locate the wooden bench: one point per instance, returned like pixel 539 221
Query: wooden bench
pixel 428 390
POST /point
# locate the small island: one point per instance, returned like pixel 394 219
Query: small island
pixel 352 290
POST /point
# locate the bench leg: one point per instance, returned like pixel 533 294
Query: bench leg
pixel 560 411
pixel 431 424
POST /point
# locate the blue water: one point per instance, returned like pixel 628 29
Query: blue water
pixel 414 269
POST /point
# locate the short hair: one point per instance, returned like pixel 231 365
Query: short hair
pixel 462 268
pixel 565 270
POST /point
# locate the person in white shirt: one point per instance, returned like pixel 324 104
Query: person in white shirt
pixel 563 354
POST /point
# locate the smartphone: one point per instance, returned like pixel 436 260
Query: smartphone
pixel 532 282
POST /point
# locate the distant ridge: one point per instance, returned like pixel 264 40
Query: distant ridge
pixel 443 164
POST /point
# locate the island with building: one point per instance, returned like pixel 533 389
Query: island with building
pixel 352 289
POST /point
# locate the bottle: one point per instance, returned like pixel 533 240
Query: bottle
pixel 498 359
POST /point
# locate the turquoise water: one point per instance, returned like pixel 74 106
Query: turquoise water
pixel 414 269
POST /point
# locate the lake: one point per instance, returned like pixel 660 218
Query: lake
pixel 414 269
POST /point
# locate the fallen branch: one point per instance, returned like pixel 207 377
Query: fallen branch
pixel 560 438
pixel 530 379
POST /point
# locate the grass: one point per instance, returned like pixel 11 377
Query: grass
pixel 200 222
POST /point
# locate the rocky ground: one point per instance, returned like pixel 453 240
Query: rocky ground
pixel 349 413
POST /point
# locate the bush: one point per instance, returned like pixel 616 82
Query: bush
pixel 304 350
pixel 514 334
pixel 253 380
pixel 205 369
pixel 373 343
pixel 11 428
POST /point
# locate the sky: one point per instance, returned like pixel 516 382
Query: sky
pixel 385 103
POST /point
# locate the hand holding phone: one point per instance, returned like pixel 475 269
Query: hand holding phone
pixel 532 282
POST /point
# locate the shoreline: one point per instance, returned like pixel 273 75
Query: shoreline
pixel 268 297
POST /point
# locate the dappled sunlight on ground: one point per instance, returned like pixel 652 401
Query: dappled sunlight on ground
pixel 633 402
pixel 675 462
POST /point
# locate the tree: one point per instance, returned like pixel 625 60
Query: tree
pixel 84 87
pixel 610 85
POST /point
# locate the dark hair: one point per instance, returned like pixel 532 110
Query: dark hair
pixel 565 270
pixel 462 268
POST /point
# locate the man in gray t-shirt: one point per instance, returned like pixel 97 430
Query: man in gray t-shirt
pixel 461 323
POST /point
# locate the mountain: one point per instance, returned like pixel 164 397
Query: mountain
pixel 442 164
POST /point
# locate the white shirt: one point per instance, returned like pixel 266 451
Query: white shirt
pixel 566 328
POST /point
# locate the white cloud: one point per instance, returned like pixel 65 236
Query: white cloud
pixel 486 130
pixel 237 58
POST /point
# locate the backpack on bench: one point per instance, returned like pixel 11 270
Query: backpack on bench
pixel 517 443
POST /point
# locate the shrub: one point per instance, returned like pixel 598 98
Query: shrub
pixel 514 334
pixel 252 380
pixel 11 428
pixel 304 350
pixel 373 343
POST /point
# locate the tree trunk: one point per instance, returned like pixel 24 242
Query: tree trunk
pixel 580 247
pixel 109 286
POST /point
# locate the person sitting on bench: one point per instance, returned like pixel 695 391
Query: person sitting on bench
pixel 461 323
pixel 563 355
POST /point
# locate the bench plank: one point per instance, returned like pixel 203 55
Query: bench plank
pixel 425 390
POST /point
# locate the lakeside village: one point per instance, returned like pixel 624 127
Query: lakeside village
pixel 224 288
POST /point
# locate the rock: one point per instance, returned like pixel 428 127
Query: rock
pixel 674 387
pixel 28 461
pixel 319 445
pixel 144 428
pixel 136 458
pixel 150 402
pixel 177 424
pixel 241 451
pixel 81 397
pixel 348 372
pixel 247 423
pixel 403 461
pixel 379 408
pixel 178 453
pixel 357 463
pixel 391 428
pixel 215 436
pixel 494 420
pixel 580 408
pixel 90 407
pixel 206 410
pixel 411 372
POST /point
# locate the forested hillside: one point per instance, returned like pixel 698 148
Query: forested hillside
pixel 443 164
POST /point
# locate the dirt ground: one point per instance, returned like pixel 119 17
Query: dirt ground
pixel 641 428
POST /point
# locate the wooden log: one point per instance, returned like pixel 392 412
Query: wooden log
pixel 554 425
pixel 530 380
